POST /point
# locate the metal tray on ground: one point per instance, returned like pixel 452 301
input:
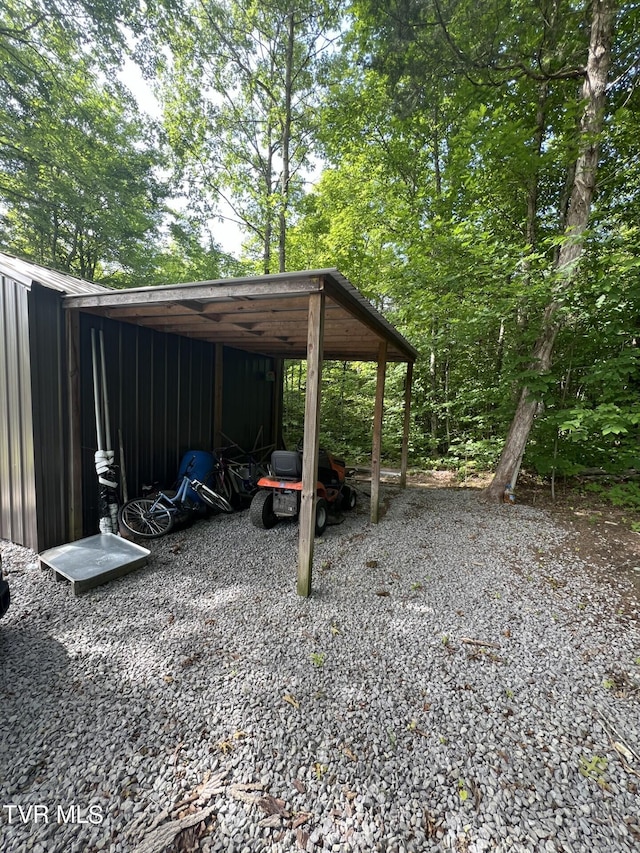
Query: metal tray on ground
pixel 95 560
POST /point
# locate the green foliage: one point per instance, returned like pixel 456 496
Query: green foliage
pixel 450 218
pixel 239 97
pixel 623 495
pixel 446 158
pixel 594 768
pixel 78 184
pixel 348 395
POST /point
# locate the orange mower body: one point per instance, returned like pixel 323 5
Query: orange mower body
pixel 279 494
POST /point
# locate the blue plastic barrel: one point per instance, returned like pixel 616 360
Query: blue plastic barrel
pixel 199 465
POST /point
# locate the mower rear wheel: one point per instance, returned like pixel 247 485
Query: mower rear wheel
pixel 349 498
pixel 261 510
pixel 322 516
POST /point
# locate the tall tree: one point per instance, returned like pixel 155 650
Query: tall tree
pixel 239 98
pixel 519 160
pixel 583 182
pixel 77 163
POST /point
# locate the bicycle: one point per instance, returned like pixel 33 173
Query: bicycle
pixel 156 516
pixel 237 477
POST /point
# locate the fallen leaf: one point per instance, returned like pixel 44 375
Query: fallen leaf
pixel 623 750
pixel 291 700
pixel 299 819
pixel 272 806
pixel 302 838
pixel 319 769
pixel 168 678
pixel 274 821
pixel 383 593
pixel 300 787
pixel 372 564
pixel 163 837
pixel 349 753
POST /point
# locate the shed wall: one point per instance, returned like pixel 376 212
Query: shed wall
pixel 161 394
pixel 49 407
pixel 247 399
pixel 17 467
pixel 161 398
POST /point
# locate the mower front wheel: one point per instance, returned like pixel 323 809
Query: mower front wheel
pixel 261 510
pixel 322 516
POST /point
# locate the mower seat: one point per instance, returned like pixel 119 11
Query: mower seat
pixel 286 464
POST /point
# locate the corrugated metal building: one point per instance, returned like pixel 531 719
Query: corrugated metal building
pixel 187 364
pixel 162 399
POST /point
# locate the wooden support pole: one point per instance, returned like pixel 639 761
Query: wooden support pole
pixel 315 330
pixel 218 381
pixel 72 330
pixel 377 433
pixel 405 428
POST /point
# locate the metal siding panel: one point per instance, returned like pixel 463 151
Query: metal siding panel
pixel 161 396
pixel 50 431
pixel 17 475
pixel 247 398
pixel 202 381
pixel 172 404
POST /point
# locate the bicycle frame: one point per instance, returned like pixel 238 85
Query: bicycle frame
pixel 152 517
pixel 176 503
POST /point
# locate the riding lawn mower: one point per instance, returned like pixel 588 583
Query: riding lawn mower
pixel 279 494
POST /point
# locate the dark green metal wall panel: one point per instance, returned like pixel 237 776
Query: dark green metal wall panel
pixel 17 465
pixel 247 392
pixel 49 401
pixel 160 397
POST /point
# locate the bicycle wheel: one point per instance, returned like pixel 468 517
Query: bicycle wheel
pixel 212 498
pixel 146 517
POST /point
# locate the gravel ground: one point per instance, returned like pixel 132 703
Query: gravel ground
pixel 361 719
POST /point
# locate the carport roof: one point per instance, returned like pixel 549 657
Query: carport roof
pixel 263 314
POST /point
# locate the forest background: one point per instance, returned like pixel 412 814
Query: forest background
pixel 431 150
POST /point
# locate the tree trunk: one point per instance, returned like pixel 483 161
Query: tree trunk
pixel 594 98
pixel 433 377
pixel 286 143
pixel 268 187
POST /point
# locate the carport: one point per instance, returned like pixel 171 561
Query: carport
pixel 313 315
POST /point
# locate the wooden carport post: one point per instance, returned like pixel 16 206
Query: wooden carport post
pixel 405 428
pixel 315 333
pixel 377 433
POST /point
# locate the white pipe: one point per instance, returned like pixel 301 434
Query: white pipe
pixel 105 398
pixel 96 390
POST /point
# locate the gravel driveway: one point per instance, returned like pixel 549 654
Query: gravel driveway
pixel 459 680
